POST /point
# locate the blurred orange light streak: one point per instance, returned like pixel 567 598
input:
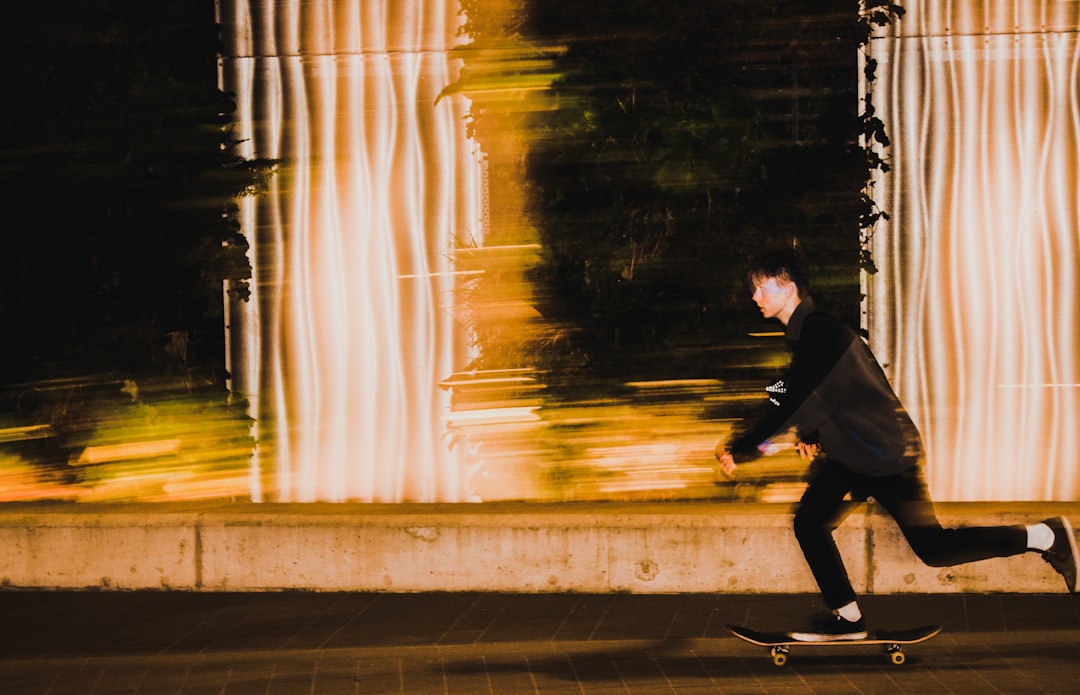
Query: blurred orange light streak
pixel 128 451
pixel 19 434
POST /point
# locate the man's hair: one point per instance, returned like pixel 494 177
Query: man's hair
pixel 785 265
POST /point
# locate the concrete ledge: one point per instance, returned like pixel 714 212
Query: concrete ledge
pixel 512 547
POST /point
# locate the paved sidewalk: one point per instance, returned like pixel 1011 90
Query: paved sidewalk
pixel 157 643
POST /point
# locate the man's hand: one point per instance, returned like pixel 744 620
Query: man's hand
pixel 727 461
pixel 807 451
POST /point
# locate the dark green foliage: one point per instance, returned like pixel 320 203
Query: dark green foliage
pixel 688 135
pixel 118 172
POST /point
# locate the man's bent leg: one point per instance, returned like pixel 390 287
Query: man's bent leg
pixel 906 498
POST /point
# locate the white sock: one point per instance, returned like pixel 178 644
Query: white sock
pixel 1040 537
pixel 850 612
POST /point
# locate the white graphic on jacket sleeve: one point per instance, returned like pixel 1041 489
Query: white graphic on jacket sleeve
pixel 779 388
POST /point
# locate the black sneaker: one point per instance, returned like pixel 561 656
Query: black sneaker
pixel 828 627
pixel 1063 555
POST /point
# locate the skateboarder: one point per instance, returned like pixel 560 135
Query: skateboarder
pixel 836 397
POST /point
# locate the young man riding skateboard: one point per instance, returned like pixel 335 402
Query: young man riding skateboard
pixel 836 397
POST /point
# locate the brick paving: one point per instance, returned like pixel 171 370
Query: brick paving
pixel 178 643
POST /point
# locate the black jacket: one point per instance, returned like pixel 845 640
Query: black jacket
pixel 835 394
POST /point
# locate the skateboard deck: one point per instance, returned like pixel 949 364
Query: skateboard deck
pixel 893 641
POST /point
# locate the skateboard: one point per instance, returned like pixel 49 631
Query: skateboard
pixel 893 641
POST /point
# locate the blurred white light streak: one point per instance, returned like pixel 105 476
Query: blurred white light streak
pixel 489 416
pixel 451 273
pixel 975 312
pixel 1039 386
pixel 342 360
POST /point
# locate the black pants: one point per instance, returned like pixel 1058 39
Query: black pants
pixel 907 500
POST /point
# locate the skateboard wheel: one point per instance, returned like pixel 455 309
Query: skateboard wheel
pixel 779 656
pixel 897 657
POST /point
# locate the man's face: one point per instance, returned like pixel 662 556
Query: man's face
pixel 773 296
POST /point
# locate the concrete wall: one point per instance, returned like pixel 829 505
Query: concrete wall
pixel 603 547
